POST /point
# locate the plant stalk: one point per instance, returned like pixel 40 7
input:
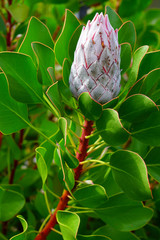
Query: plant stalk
pixel 81 155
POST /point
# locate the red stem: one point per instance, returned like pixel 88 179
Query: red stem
pixel 81 155
pixel 15 164
pixel 9 41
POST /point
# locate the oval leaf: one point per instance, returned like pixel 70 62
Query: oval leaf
pixel 36 32
pixel 13 115
pixel 22 77
pixel 46 59
pixel 123 213
pixel 21 236
pixel 130 173
pixel 91 196
pixel 70 25
pixel 127 33
pixel 11 203
pixel 149 130
pixel 136 108
pixel 69 224
pixel 111 129
pixel 153 163
pixel 90 108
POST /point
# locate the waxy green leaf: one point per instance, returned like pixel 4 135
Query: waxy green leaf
pixel 91 196
pixel 111 129
pixel 22 235
pixel 13 115
pixel 151 85
pixel 36 32
pixel 66 71
pixel 114 18
pixel 41 164
pixel 18 11
pixel 136 108
pixel 127 33
pixel 55 98
pixel 11 203
pixel 130 173
pixel 74 40
pixel 92 237
pixel 114 234
pixel 46 59
pixel 69 224
pixel 123 213
pixel 70 25
pixel 153 163
pixel 22 77
pixel 149 62
pixel 125 56
pixel 137 58
pixel 149 130
pixel 90 108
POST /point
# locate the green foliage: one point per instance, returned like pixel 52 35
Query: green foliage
pixel 92 170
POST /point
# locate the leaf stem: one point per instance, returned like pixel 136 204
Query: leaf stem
pixel 81 155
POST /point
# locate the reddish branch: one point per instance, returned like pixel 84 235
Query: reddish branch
pixel 15 164
pixel 9 41
pixel 81 155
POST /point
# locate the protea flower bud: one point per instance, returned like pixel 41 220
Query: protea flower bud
pixel 96 65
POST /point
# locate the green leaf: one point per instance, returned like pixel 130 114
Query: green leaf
pixel 137 108
pixel 41 164
pixel 115 234
pixel 3 45
pixel 36 32
pixel 69 224
pixel 127 9
pixel 130 173
pixel 153 163
pixel 127 33
pixel 116 135
pixel 123 213
pixel 63 128
pixel 74 40
pixel 13 146
pixel 125 56
pixel 149 62
pixel 91 196
pixel 66 174
pixel 18 11
pixel 70 159
pixel 11 203
pixel 137 58
pixel 114 18
pixel 22 77
pixel 66 71
pixel 151 85
pixel 92 237
pixel 70 25
pixel 55 98
pixel 90 108
pixel 149 131
pixel 56 137
pixel 13 115
pixel 46 59
pixel 111 104
pixel 21 236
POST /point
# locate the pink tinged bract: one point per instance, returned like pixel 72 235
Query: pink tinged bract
pixel 96 65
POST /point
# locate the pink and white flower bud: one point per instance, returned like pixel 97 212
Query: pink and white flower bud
pixel 96 65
